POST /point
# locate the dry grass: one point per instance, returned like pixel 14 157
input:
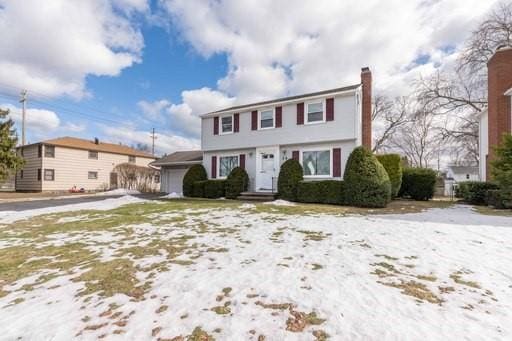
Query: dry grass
pixel 415 289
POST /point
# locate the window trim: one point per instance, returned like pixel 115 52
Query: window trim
pixel 221 132
pixel 53 174
pixel 306 111
pixel 301 157
pixel 89 173
pixel 273 109
pixel 92 158
pixel 218 163
pixel 49 156
pixel 130 159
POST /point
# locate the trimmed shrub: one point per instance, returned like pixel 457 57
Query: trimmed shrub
pixel 198 189
pixel 290 175
pixel 366 181
pixel 214 189
pixel 474 192
pixel 323 192
pixel 499 199
pixel 236 183
pixel 418 183
pixel 194 174
pixel 393 165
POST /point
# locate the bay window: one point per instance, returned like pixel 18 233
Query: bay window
pixel 317 163
pixel 226 165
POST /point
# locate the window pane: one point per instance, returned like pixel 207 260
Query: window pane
pixel 227 163
pixel 317 162
pixel 267 119
pixel 49 175
pixel 49 151
pixel 315 112
pixel 93 155
pixel 227 124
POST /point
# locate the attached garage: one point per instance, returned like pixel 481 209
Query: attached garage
pixel 173 168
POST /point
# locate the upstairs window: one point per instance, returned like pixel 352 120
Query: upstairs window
pixel 49 175
pixel 226 165
pixel 316 163
pixel 315 112
pixel 131 159
pixel 93 155
pixel 49 151
pixel 267 119
pixel 226 124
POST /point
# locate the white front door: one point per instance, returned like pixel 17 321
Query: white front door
pixel 267 165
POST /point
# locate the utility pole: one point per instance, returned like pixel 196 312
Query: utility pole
pixel 23 101
pixel 153 137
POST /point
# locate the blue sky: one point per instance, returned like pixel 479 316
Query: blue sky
pixel 117 68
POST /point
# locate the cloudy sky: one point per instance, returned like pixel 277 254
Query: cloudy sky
pixel 117 68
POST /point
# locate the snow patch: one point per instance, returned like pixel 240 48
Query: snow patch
pixel 280 202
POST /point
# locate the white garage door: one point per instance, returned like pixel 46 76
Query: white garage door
pixel 172 179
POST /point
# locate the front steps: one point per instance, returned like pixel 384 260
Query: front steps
pixel 257 196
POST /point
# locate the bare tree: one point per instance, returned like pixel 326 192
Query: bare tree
pixel 461 95
pixel 389 116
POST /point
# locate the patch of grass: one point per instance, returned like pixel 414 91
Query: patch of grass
pixel 430 278
pixel 486 210
pixel 161 309
pixel 320 335
pixel 457 278
pixel 317 266
pixel 415 289
pixel 300 320
pixel 387 257
pixel 314 235
pixel 199 334
pixel 274 306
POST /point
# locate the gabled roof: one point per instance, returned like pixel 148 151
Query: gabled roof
pixel 180 158
pixel 76 143
pixel 285 99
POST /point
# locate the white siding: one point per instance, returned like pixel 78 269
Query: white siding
pixel 346 126
pixel 29 181
pixel 73 165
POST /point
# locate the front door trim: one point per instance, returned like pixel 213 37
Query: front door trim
pixel 261 176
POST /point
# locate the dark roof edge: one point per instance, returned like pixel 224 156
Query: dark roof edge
pixel 285 99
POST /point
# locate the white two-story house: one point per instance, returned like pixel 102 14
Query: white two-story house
pixel 318 129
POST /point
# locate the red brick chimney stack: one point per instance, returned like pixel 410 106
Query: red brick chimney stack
pixel 499 108
pixel 366 102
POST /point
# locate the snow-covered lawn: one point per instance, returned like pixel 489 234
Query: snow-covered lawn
pixel 204 270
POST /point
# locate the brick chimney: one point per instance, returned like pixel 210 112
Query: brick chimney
pixel 366 102
pixel 499 70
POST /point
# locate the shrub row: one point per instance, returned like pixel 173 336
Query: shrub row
pixel 324 192
pixel 499 199
pixel 474 192
pixel 418 183
pixel 196 184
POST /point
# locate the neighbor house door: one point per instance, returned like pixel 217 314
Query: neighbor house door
pixel 267 165
pixel 113 180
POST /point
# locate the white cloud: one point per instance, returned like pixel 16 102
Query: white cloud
pixel 165 143
pixel 183 118
pixel 280 47
pixel 75 128
pixel 39 121
pixel 51 46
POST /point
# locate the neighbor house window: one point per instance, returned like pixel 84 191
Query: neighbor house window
pixel 316 163
pixel 92 175
pixel 226 124
pixel 315 112
pixel 131 159
pixel 49 151
pixel 93 154
pixel 49 175
pixel 157 179
pixel 267 119
pixel 226 165
pixel 467 176
pixel 39 174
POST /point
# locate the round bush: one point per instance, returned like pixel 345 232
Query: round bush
pixel 366 181
pixel 236 183
pixel 194 174
pixel 393 165
pixel 290 175
pixel 418 183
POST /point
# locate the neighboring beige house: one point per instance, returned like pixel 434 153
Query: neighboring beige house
pixel 63 163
